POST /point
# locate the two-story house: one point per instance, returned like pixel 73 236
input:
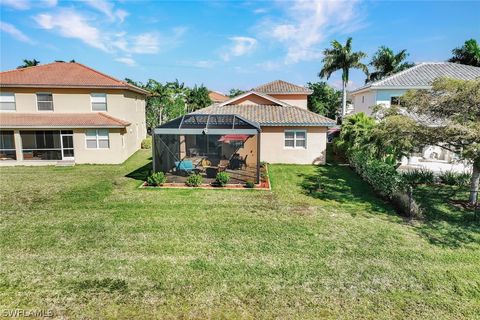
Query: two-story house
pixel 68 112
pixel 290 133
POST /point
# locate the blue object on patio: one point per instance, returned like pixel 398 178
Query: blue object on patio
pixel 185 165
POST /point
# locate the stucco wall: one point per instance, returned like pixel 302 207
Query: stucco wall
pixel 364 101
pixel 122 104
pixel 273 150
pixel 298 100
pixel 253 99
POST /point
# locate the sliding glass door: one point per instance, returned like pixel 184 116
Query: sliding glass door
pixel 47 145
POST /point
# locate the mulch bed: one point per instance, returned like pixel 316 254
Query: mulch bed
pixel 263 185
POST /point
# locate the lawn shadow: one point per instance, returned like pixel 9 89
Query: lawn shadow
pixel 141 173
pixel 341 184
pixel 445 224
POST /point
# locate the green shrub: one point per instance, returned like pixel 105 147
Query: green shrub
pixel 250 185
pixel 418 176
pixel 383 177
pixel 455 178
pixel 222 178
pixel 194 180
pixel 156 179
pixel 147 143
pixel 264 176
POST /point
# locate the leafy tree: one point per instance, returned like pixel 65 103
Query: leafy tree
pixel 29 63
pixel 386 63
pixel 235 92
pixel 468 54
pixel 324 100
pixel 448 116
pixel 356 134
pixel 340 57
pixel 198 98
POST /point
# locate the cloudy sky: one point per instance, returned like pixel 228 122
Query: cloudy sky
pixel 226 44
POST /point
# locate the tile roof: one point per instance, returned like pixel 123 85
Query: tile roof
pixel 282 87
pixel 62 75
pixel 217 96
pixel 423 74
pixel 271 115
pixel 60 120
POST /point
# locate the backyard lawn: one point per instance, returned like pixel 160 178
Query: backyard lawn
pixel 86 241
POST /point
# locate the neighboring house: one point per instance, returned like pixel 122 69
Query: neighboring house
pixel 388 92
pixel 217 97
pixel 68 112
pixel 289 132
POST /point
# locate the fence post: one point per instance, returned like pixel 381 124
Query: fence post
pixel 410 199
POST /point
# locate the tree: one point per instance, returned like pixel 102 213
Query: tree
pixel 28 63
pixel 448 116
pixel 235 92
pixel 356 133
pixel 324 100
pixel 468 54
pixel 386 63
pixel 342 58
pixel 198 98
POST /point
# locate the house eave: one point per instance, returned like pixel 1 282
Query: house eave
pixel 56 86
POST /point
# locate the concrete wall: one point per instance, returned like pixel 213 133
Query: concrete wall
pixel 298 100
pixel 273 150
pixel 121 104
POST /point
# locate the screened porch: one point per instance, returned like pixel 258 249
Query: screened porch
pixel 207 145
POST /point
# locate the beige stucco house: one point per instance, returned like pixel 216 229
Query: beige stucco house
pixel 290 133
pixel 67 112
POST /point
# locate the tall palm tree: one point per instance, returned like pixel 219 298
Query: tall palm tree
pixel 386 63
pixel 29 63
pixel 468 54
pixel 340 57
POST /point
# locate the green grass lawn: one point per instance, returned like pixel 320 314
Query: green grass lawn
pixel 85 241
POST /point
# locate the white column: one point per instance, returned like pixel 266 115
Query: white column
pixel 18 144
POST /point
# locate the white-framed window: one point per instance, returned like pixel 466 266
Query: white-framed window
pixel 44 101
pixel 363 99
pixel 97 139
pixel 7 101
pixel 296 139
pixel 99 101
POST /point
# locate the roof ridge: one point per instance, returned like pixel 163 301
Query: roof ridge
pixel 393 76
pixel 96 71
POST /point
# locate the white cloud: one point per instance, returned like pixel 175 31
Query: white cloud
pixel 127 60
pixel 108 9
pixel 239 46
pixel 71 24
pixel 27 4
pixel 260 10
pixel 14 32
pixel 308 24
pixel 204 64
pixel 146 43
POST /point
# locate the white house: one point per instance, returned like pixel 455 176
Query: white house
pixel 388 91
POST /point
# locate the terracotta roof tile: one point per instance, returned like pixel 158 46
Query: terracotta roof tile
pixel 217 96
pixel 282 87
pixel 62 75
pixel 270 115
pixel 60 120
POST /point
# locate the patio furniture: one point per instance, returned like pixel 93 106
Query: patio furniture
pixel 185 166
pixel 223 165
pixel 211 172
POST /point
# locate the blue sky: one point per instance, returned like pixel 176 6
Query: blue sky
pixel 227 44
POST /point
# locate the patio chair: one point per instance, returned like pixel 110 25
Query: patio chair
pixel 223 165
pixel 185 166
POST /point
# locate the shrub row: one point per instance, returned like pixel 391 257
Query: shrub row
pixel 425 176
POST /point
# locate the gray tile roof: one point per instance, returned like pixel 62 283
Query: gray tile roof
pixel 423 74
pixel 271 115
pixel 281 87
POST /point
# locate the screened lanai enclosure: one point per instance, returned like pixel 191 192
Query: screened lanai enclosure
pixel 207 144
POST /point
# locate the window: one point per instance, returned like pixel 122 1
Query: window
pixel 99 101
pixel 363 99
pixel 41 145
pixel 296 139
pixel 395 101
pixel 97 139
pixel 7 101
pixel 7 146
pixel 44 102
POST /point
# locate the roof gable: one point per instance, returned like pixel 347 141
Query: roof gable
pixel 282 87
pixel 62 75
pixel 260 97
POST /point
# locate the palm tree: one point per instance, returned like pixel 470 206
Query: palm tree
pixel 386 63
pixel 468 54
pixel 29 63
pixel 340 57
